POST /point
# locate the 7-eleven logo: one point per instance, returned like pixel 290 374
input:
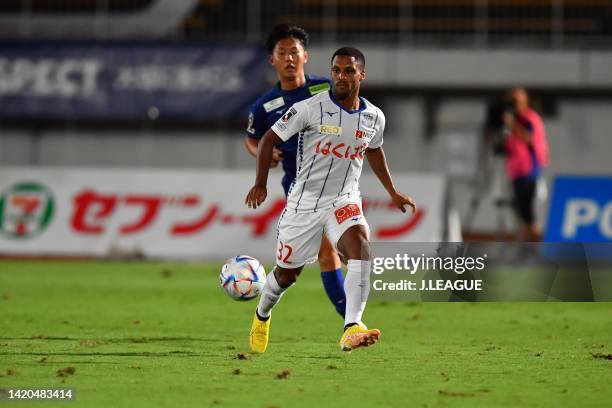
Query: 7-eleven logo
pixel 25 210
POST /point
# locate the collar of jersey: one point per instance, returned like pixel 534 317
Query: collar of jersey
pixel 362 104
pixel 284 92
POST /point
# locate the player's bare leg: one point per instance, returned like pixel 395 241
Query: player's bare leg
pixel 277 282
pixel 354 245
pixel 331 275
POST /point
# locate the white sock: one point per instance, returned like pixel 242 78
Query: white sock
pixel 357 289
pixel 270 295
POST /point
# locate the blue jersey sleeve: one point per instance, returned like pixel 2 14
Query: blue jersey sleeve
pixel 257 125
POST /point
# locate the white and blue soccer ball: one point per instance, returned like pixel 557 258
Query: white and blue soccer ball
pixel 242 277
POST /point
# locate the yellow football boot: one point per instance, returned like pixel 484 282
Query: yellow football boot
pixel 358 336
pixel 260 334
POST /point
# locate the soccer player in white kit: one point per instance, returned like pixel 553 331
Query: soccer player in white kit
pixel 337 129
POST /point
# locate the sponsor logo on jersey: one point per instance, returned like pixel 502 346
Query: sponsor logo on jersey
pixel 367 120
pixel 341 150
pixel 315 89
pixel 363 134
pixel 330 129
pixel 331 113
pixel 346 212
pixel 290 113
pixel 274 104
pixel 26 209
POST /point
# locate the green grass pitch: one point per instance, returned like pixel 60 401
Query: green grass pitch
pixel 144 334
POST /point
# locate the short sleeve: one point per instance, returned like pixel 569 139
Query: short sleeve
pixel 257 125
pixel 293 121
pixel 379 127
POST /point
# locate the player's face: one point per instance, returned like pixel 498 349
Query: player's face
pixel 520 99
pixel 288 58
pixel 346 76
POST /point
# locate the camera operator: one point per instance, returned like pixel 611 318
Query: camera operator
pixel 526 150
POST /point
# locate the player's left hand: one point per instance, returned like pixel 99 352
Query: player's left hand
pixel 401 201
pixel 256 196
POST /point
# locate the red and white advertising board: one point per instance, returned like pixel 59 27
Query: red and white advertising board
pixel 178 214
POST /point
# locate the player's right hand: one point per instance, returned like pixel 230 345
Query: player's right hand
pixel 401 200
pixel 256 196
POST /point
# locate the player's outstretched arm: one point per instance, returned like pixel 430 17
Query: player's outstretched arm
pixel 258 192
pixel 378 163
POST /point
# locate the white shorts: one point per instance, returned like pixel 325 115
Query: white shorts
pixel 299 234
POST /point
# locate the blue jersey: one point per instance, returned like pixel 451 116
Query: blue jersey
pixel 271 106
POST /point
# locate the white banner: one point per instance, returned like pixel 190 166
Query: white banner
pixel 178 214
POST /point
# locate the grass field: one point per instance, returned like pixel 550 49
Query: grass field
pixel 163 334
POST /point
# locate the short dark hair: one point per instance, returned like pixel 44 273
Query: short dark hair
pixel 351 52
pixel 286 30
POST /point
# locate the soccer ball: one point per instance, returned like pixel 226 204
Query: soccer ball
pixel 242 277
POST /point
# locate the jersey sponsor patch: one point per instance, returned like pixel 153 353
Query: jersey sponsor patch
pixel 315 89
pixel 363 134
pixel 367 120
pixel 346 212
pixel 330 129
pixel 290 113
pixel 274 104
pixel 341 150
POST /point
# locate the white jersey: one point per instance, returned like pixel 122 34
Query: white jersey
pixel 331 146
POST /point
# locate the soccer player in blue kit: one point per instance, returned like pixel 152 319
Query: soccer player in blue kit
pixel 286 45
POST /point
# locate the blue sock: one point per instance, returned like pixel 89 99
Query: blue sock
pixel 333 282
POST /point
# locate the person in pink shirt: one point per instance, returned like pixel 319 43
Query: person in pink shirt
pixel 526 154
